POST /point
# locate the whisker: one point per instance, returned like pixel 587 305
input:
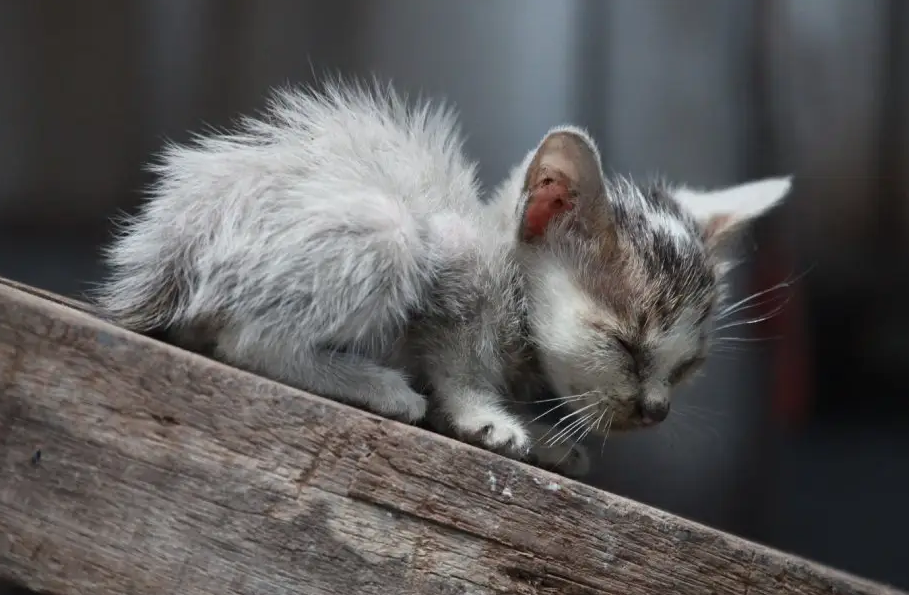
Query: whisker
pixel 606 432
pixel 578 426
pixel 572 425
pixel 589 429
pixel 577 396
pixel 569 428
pixel 564 401
pixel 749 299
pixel 597 426
pixel 773 313
pixel 583 428
pixel 564 418
pixel 731 310
pixel 747 339
pixel 583 435
pixel 600 419
pixel 728 348
pixel 547 412
pixel 785 284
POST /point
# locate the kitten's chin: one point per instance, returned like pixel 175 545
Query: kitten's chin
pixel 618 416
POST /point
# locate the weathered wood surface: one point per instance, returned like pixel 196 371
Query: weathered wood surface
pixel 161 471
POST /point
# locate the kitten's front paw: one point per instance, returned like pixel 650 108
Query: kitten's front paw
pixel 493 430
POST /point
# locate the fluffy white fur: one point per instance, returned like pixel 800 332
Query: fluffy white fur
pixel 338 244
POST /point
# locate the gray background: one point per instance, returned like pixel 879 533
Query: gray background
pixel 705 91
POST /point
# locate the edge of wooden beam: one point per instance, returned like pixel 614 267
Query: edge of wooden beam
pixel 131 466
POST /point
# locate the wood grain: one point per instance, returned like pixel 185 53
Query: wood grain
pixel 161 471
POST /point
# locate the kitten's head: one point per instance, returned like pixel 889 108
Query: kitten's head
pixel 624 280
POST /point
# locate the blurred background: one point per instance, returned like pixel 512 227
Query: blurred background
pixel 797 435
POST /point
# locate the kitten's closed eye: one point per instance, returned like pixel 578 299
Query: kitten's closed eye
pixel 633 356
pixel 683 370
pixel 625 345
pixel 630 352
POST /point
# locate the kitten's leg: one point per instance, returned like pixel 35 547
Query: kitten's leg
pixel 356 380
pixel 461 362
pixel 571 460
pixel 342 376
pixel 478 415
pixel 467 404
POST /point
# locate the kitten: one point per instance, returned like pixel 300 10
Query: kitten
pixel 338 244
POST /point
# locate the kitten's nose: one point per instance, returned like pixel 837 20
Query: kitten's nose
pixel 653 412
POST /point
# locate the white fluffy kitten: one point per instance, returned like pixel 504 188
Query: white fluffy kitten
pixel 338 244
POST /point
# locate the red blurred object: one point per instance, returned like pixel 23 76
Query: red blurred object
pixel 790 360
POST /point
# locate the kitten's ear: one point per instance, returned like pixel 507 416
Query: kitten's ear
pixel 723 213
pixel 563 174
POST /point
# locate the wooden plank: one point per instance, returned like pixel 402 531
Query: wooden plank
pixel 130 466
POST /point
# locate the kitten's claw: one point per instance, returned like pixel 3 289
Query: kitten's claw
pixel 494 430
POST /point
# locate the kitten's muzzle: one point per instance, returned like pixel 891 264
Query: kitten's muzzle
pixel 652 412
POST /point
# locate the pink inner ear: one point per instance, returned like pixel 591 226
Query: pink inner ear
pixel 716 226
pixel 548 199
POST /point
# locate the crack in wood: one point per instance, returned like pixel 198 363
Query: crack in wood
pixel 165 420
pixel 544 582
